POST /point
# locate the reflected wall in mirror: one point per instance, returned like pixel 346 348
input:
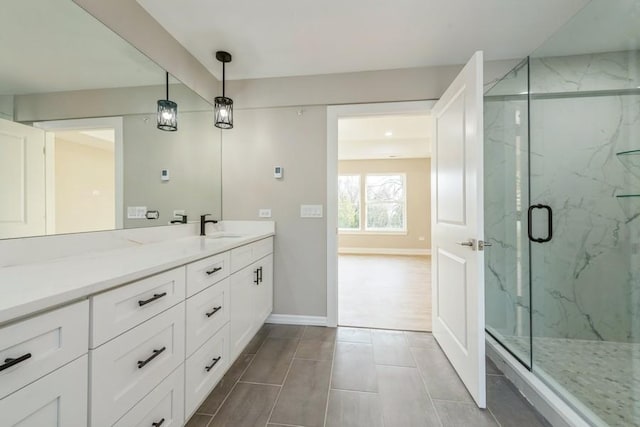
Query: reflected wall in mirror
pixel 79 145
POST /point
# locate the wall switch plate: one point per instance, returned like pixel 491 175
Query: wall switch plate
pixel 310 211
pixel 264 213
pixel 136 212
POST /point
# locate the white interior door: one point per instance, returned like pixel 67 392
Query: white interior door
pixel 22 184
pixel 457 212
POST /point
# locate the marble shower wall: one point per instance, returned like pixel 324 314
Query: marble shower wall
pixel 586 281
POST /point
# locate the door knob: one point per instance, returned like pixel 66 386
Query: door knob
pixel 470 243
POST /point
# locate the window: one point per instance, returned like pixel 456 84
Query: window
pixel 349 202
pixel 385 202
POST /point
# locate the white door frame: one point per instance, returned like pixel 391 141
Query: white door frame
pixel 95 123
pixel 335 112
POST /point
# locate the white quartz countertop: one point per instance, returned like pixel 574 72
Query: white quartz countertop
pixel 31 288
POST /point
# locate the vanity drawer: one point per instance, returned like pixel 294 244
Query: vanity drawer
pixel 41 344
pixel 56 400
pixel 123 308
pixel 207 312
pixel 204 273
pixel 245 255
pixel 164 406
pixel 202 372
pixel 127 368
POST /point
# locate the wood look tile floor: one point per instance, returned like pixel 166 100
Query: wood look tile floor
pixel 384 291
pixel 300 376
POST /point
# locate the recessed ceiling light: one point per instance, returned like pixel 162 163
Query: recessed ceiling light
pixel 388 133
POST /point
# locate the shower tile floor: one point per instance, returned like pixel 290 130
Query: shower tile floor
pixel 603 375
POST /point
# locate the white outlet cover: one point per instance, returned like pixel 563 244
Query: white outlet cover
pixel 310 211
pixel 136 212
pixel 264 213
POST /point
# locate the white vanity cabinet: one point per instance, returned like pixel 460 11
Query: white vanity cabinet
pixel 251 292
pixel 139 336
pixel 143 353
pixel 43 369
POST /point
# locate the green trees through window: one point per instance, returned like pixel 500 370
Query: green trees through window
pixel 384 201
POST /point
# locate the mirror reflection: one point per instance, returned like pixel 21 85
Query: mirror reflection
pixel 80 145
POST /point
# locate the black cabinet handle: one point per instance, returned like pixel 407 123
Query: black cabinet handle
pixel 210 367
pixel 156 353
pixel 257 279
pixel 9 362
pixel 153 298
pixel 158 424
pixel 215 310
pixel 549 223
pixel 215 270
pixel 260 274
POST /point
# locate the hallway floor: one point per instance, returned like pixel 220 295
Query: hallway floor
pixel 350 377
pixel 385 291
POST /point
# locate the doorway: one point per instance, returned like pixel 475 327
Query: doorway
pixel 88 195
pixel 381 169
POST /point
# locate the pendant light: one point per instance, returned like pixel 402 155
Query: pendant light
pixel 167 112
pixel 223 106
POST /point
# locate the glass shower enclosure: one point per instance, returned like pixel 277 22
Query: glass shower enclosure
pixel 562 211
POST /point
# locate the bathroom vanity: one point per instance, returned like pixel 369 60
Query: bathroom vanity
pixel 132 335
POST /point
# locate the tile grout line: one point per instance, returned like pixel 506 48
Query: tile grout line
pixel 333 357
pixel 284 381
pixel 237 381
pixel 426 388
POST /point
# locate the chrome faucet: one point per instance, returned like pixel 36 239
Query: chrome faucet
pixel 204 221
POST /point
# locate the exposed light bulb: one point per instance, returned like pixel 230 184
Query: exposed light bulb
pixel 167 115
pixel 223 112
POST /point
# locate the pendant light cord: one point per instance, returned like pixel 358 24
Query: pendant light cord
pixel 223 80
pixel 167 85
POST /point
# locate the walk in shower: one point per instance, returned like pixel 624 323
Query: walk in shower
pixel 562 211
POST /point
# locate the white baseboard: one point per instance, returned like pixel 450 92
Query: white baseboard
pixel 293 319
pixel 545 400
pixel 384 251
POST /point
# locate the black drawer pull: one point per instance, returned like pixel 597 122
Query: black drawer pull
pixel 13 362
pixel 214 270
pixel 210 367
pixel 215 310
pixel 260 274
pixel 158 424
pixel 153 298
pixel 156 353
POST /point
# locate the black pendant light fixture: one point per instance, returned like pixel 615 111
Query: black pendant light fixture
pixel 223 106
pixel 167 113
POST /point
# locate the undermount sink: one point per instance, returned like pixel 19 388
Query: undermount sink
pixel 224 235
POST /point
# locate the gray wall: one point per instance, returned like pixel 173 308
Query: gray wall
pixel 269 132
pixel 192 155
pixel 129 20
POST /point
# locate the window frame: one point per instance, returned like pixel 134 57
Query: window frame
pixel 365 203
pixel 360 199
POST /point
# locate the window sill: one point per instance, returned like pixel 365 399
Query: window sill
pixel 371 233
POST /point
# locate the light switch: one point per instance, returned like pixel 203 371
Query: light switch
pixel 136 212
pixel 264 213
pixel 310 211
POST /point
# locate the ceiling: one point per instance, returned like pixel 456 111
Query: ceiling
pixel 295 37
pixel 55 46
pixel 101 139
pixel 384 137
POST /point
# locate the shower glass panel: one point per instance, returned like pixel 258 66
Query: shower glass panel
pixel 585 133
pixel 506 200
pixel 563 212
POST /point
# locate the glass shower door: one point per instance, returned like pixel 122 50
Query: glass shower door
pixel 506 173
